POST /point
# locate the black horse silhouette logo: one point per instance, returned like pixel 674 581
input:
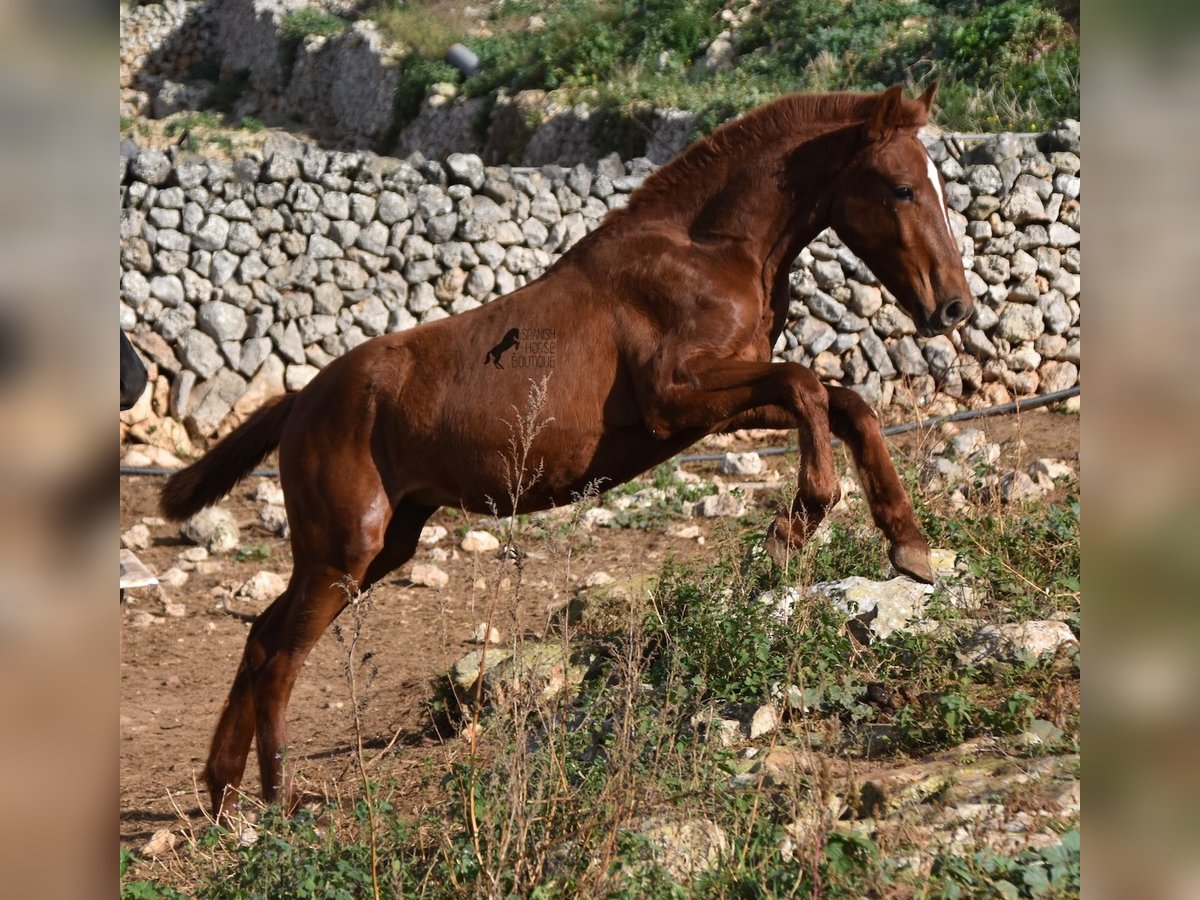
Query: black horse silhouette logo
pixel 510 340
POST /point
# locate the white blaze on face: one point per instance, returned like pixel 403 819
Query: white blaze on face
pixel 932 172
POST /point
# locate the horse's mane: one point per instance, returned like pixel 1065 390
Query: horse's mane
pixel 791 115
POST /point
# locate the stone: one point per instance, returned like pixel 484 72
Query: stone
pixel 296 377
pixel 213 401
pixel 428 575
pixel 1056 312
pixel 892 321
pixel 485 634
pixel 883 607
pixel 685 848
pixel 1013 640
pixel 1019 322
pixel 136 538
pixel 174 577
pixel 1023 207
pixel 741 464
pixel 223 265
pixel 479 542
pixel 1052 469
pixel 907 357
pixel 168 289
pixel 719 506
pixel 214 529
pixel 199 352
pixel 1058 376
pixel 481 281
pixel 876 353
pixel 865 300
pixel 1017 486
pixel 273 517
pixel 432 534
pixel 262 587
pixel 465 168
pixel 1064 137
pixel 992 269
pixel 1062 236
pixel 764 721
pixel 827 366
pixel 221 321
pixel 983 179
pixel 150 166
pixel 212 234
pixel 941 354
pixel 286 337
pixel 966 443
pixel 320 247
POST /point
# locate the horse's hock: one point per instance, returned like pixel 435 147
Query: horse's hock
pixel 242 279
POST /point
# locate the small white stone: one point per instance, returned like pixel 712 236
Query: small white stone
pixel 720 505
pixel 136 538
pixel 427 575
pixel 741 464
pixel 596 580
pixel 765 720
pixel 174 577
pixel 598 517
pixel 262 587
pixel 479 542
pixel 485 634
pixel 431 534
pixel 269 491
pixel 193 554
pixel 1053 469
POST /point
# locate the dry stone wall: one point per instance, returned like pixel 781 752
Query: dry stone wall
pixel 242 279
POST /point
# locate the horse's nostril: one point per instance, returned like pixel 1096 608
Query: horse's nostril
pixel 952 313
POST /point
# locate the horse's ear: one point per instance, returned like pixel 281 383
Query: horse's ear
pixel 886 116
pixel 926 99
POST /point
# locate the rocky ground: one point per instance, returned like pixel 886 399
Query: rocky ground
pixel 182 640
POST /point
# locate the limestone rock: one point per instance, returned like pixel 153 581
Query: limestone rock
pixel 213 528
pixel 479 542
pixel 428 575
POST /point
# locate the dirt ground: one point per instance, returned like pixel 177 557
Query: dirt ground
pixel 176 671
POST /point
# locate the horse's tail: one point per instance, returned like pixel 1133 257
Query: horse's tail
pixel 213 476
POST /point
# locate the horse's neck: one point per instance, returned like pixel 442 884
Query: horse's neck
pixel 767 198
pixel 779 200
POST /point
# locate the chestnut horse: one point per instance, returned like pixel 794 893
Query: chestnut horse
pixel 654 330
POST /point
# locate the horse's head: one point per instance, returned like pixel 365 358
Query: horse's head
pixel 889 207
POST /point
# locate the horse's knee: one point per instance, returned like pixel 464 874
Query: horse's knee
pixel 809 395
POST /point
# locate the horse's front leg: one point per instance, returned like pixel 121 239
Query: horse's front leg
pixel 853 420
pixel 709 392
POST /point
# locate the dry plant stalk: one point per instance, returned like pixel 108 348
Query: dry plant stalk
pixel 359 603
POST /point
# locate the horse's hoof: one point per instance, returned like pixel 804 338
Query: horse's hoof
pixel 781 543
pixel 912 560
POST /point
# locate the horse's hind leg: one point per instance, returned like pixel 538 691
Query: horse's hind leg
pixel 321 594
pixel 231 741
pixel 854 422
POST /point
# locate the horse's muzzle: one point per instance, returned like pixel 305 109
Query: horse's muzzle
pixel 946 317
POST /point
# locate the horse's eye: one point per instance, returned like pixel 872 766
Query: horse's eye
pixel 904 192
